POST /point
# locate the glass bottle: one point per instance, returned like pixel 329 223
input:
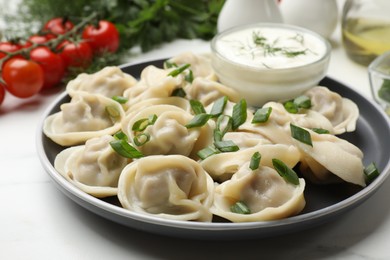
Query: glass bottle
pixel 366 29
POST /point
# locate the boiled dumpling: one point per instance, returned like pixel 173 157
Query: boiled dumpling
pixel 84 117
pixel 266 194
pixel 110 82
pixel 94 167
pixel 171 187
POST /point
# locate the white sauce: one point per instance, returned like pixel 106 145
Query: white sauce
pixel 289 48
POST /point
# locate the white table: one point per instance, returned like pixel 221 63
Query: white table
pixel 38 222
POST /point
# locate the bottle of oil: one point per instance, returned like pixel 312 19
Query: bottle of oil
pixel 366 29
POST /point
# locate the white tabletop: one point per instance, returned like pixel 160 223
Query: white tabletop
pixel 37 221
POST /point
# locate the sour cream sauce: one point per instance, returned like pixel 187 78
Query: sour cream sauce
pixel 270 48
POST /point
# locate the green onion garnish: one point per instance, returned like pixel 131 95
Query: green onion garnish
pixel 288 174
pixel 226 146
pixel 197 107
pixel 143 123
pixel 206 152
pixel 218 135
pixel 198 120
pixel 168 64
pixel 291 107
pixel 141 139
pixel 239 114
pixel 189 77
pixel 179 70
pixel 320 130
pixel 120 99
pixel 303 102
pixel 124 149
pixel 113 111
pixel 240 208
pixel 224 123
pixel 120 136
pixel 255 161
pixel 178 92
pixel 300 134
pixel 218 106
pixel 262 115
pixel 371 172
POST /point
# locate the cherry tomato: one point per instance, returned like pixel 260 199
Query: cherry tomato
pixel 8 47
pixel 2 93
pixel 75 54
pixel 51 63
pixel 38 39
pixel 103 38
pixel 58 25
pixel 23 78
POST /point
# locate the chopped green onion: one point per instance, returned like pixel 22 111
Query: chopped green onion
pixel 239 114
pixel 197 107
pixel 300 134
pixel 124 149
pixel 120 136
pixel 218 106
pixel 189 77
pixel 143 123
pixel 291 107
pixel 226 146
pixel 218 135
pixel 168 64
pixel 320 131
pixel 303 102
pixel 179 92
pixel 288 174
pixel 198 120
pixel 224 123
pixel 262 115
pixel 113 111
pixel 206 152
pixel 371 172
pixel 240 208
pixel 120 99
pixel 255 161
pixel 179 70
pixel 141 139
pixel 152 119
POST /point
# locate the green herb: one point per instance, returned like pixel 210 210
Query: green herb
pixel 189 77
pixel 197 107
pixel 198 120
pixel 179 70
pixel 300 134
pixel 124 149
pixel 262 115
pixel 179 92
pixel 226 146
pixel 371 172
pixel 113 112
pixel 288 174
pixel 224 123
pixel 239 114
pixel 293 106
pixel 120 99
pixel 143 123
pixel 255 161
pixel 206 152
pixel 240 208
pixel 169 64
pixel 218 106
pixel 141 139
pixel 384 91
pixel 320 131
pixel 120 136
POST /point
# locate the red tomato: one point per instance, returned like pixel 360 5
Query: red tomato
pixel 38 39
pixel 75 54
pixel 103 38
pixel 23 78
pixel 51 63
pixel 58 25
pixel 2 93
pixel 8 47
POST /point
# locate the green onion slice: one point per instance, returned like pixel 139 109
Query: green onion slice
pixel 178 92
pixel 189 77
pixel 120 99
pixel 226 146
pixel 262 115
pixel 143 123
pixel 113 112
pixel 218 135
pixel 288 174
pixel 169 64
pixel 198 120
pixel 291 107
pixel 303 102
pixel 240 208
pixel 218 106
pixel 206 152
pixel 124 149
pixel 239 114
pixel 120 136
pixel 141 139
pixel 179 70
pixel 371 172
pixel 255 161
pixel 320 130
pixel 197 107
pixel 300 134
pixel 224 123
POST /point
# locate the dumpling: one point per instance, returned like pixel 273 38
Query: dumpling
pixel 170 187
pixel 84 117
pixel 110 81
pixel 168 134
pixel 200 64
pixel 94 167
pixel 174 101
pixel 266 194
pixel 329 156
pixel 154 83
pixel 223 166
pixel 341 112
pixel 208 91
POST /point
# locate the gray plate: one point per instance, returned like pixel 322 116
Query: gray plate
pixel 324 203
